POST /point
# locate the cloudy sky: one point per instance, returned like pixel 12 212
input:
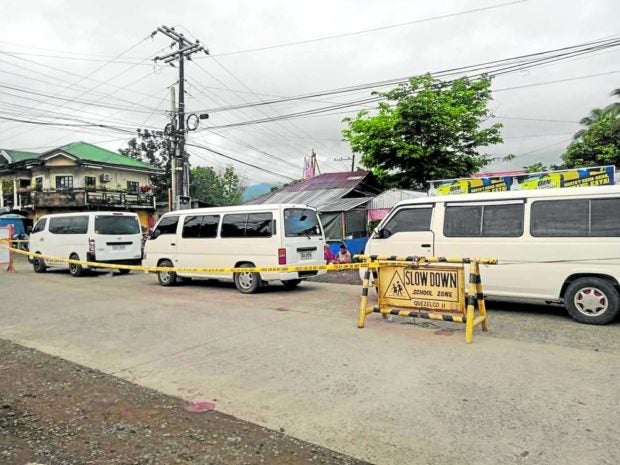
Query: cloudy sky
pixel 65 64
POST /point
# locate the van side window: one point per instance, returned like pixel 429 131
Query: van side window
pixel 234 225
pixel 505 220
pixel 40 226
pixel 204 226
pixel 69 225
pixel 168 225
pixel 247 225
pixel 576 218
pixel 409 219
pixel 259 225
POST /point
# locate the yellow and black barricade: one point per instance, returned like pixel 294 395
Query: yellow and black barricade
pixel 426 287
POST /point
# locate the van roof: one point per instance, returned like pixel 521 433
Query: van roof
pixel 240 208
pixel 533 193
pixel 109 213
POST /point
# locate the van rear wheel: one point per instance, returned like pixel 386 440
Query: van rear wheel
pixel 166 278
pixel 75 270
pixel 592 301
pixel 247 282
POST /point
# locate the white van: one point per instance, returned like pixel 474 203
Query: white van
pixel 554 245
pixel 242 236
pixel 106 237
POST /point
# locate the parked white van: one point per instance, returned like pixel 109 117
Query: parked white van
pixel 105 237
pixel 554 245
pixel 242 236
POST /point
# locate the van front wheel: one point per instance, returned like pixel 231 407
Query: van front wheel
pixel 38 265
pixel 247 282
pixel 166 278
pixel 592 301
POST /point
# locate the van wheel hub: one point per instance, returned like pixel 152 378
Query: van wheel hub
pixel 246 279
pixel 591 301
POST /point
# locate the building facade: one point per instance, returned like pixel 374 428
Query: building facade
pixel 75 177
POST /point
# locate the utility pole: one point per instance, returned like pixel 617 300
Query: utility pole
pixel 173 159
pixel 179 161
pixel 352 158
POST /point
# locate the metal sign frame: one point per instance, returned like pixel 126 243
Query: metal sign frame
pixel 461 313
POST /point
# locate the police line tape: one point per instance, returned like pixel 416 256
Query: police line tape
pixel 257 269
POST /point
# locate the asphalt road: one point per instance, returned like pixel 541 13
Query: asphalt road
pixel 537 389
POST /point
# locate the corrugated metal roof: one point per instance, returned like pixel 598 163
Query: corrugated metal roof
pixel 326 192
pixel 390 198
pixel 344 205
pixel 347 180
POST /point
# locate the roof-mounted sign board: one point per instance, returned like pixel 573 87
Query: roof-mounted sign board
pixel 579 177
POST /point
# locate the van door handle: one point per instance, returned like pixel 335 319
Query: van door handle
pixel 173 243
pixel 426 245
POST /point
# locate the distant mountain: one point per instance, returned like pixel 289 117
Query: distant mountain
pixel 256 190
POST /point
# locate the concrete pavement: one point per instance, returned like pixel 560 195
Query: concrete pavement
pixel 537 389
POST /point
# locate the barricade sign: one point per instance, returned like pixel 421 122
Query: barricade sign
pixel 426 287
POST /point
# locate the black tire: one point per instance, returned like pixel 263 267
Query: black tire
pixel 291 283
pixel 76 270
pixel 247 282
pixel 592 301
pixel 38 265
pixel 167 278
pixel 123 271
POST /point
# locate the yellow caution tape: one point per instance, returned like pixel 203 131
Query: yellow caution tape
pixel 257 269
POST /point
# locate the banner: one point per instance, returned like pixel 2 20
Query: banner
pixel 579 177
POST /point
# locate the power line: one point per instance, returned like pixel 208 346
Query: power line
pixel 370 30
pixel 229 157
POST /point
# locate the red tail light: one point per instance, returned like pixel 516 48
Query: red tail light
pixel 91 245
pixel 281 256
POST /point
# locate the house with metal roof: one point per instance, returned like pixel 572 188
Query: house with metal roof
pixel 340 198
pixel 75 177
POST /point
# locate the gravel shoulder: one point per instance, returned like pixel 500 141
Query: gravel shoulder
pixel 56 412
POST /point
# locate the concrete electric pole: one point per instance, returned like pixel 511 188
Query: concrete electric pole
pixel 179 160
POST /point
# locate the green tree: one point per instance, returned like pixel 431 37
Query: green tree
pixel 535 168
pixel 425 129
pixel 152 148
pixel 598 143
pixel 216 189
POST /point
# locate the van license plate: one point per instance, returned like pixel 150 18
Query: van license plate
pixel 118 247
pixel 305 255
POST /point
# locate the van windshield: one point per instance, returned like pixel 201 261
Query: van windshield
pixel 301 222
pixel 116 225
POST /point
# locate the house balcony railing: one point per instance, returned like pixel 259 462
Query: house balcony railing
pixel 80 198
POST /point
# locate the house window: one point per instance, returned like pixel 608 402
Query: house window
pixel 90 181
pixel 133 186
pixel 24 183
pixel 64 182
pixel 38 184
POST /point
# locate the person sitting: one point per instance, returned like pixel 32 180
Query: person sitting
pixel 343 256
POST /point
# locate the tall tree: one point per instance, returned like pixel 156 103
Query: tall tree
pixel 425 129
pixel 216 189
pixel 598 143
pixel 152 148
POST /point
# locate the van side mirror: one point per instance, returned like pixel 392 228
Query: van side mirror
pixel 155 234
pixel 382 233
